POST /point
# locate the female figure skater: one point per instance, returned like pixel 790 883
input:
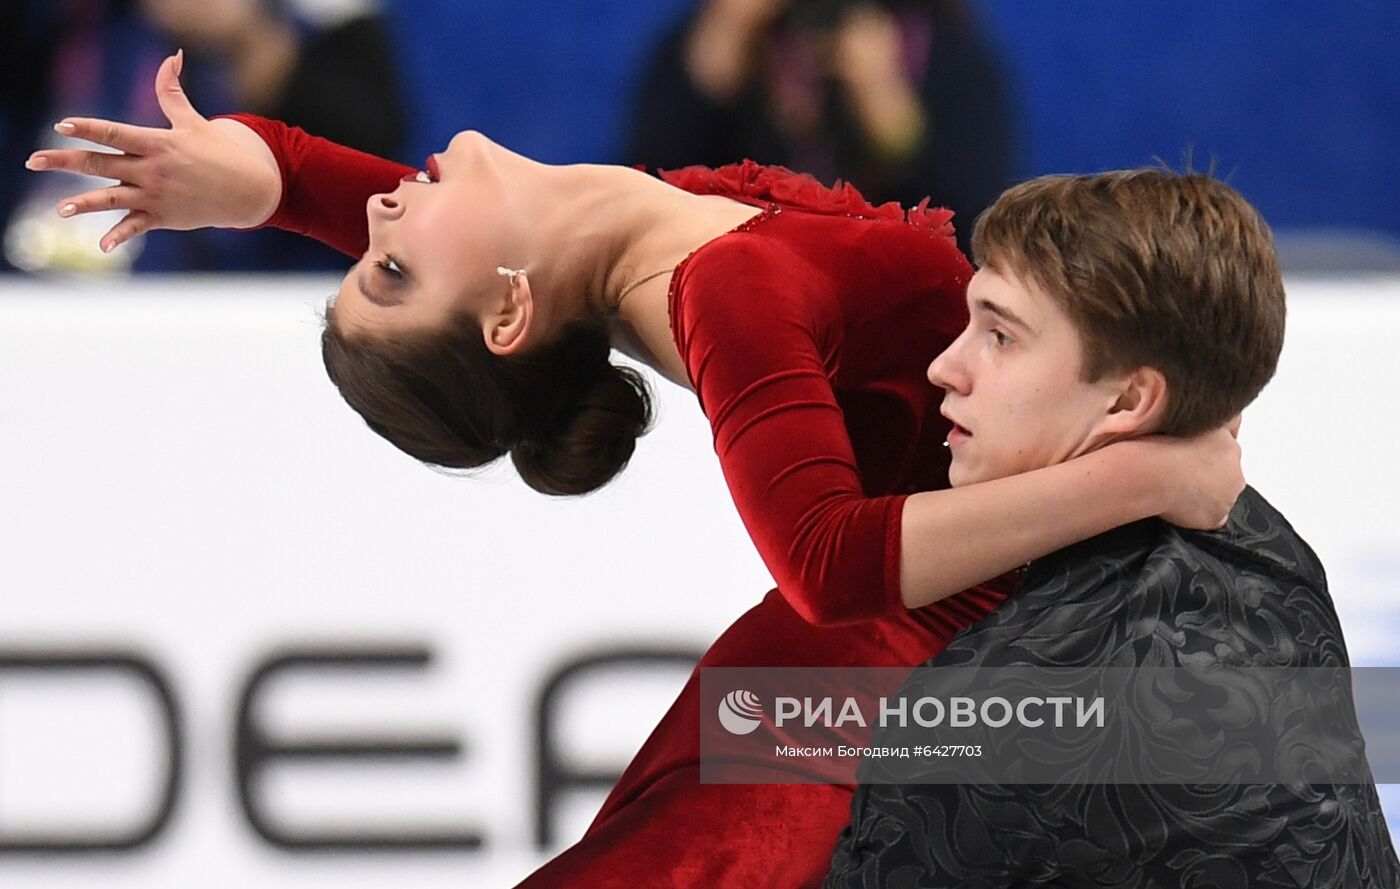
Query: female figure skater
pixel 478 322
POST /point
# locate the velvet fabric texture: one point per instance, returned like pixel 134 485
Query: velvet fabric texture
pixel 806 334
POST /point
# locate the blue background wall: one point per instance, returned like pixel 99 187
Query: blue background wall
pixel 1298 102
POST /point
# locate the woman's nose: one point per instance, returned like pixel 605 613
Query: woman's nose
pixel 384 206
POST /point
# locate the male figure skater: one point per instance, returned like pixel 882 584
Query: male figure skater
pixel 1106 307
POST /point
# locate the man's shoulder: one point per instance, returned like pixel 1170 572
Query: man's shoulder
pixel 1258 539
pixel 1122 596
pixel 1255 538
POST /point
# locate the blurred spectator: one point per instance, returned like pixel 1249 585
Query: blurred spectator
pixel 325 66
pixel 902 98
pixel 33 31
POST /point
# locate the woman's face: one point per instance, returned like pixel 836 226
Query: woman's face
pixel 434 245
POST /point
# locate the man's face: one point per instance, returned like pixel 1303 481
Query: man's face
pixel 1012 384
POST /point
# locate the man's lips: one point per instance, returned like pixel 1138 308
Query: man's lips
pixel 431 165
pixel 959 432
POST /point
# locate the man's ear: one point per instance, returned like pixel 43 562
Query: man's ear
pixel 506 330
pixel 1139 406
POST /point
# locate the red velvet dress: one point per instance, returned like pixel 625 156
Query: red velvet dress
pixel 806 334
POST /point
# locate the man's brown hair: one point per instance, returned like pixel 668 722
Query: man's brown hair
pixel 1154 268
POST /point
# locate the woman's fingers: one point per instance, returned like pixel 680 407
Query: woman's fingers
pixel 171 95
pixel 88 163
pixel 116 197
pixel 122 136
pixel 134 139
pixel 134 223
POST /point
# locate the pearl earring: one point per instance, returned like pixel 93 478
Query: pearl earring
pixel 512 274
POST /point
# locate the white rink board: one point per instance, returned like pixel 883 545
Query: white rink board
pixel 180 481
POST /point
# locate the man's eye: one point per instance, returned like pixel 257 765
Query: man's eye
pixel 390 266
pixel 999 338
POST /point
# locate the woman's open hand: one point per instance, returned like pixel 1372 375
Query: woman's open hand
pixel 1202 477
pixel 197 174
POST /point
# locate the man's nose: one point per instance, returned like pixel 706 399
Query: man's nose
pixel 945 372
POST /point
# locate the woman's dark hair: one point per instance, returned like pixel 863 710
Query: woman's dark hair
pixel 567 416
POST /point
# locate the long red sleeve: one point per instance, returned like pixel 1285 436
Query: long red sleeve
pixel 753 343
pixel 806 335
pixel 324 185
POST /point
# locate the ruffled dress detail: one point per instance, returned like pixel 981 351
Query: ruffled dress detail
pixel 758 183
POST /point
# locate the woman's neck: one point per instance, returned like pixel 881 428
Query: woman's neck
pixel 602 229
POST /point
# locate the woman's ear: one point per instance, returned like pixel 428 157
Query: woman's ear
pixel 507 329
pixel 1139 406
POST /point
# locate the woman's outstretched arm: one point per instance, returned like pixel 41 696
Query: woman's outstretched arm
pixel 239 171
pixel 323 186
pixel 837 554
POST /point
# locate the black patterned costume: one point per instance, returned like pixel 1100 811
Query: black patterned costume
pixel 1144 596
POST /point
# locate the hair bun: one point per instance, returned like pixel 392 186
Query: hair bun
pixel 568 417
pixel 593 440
